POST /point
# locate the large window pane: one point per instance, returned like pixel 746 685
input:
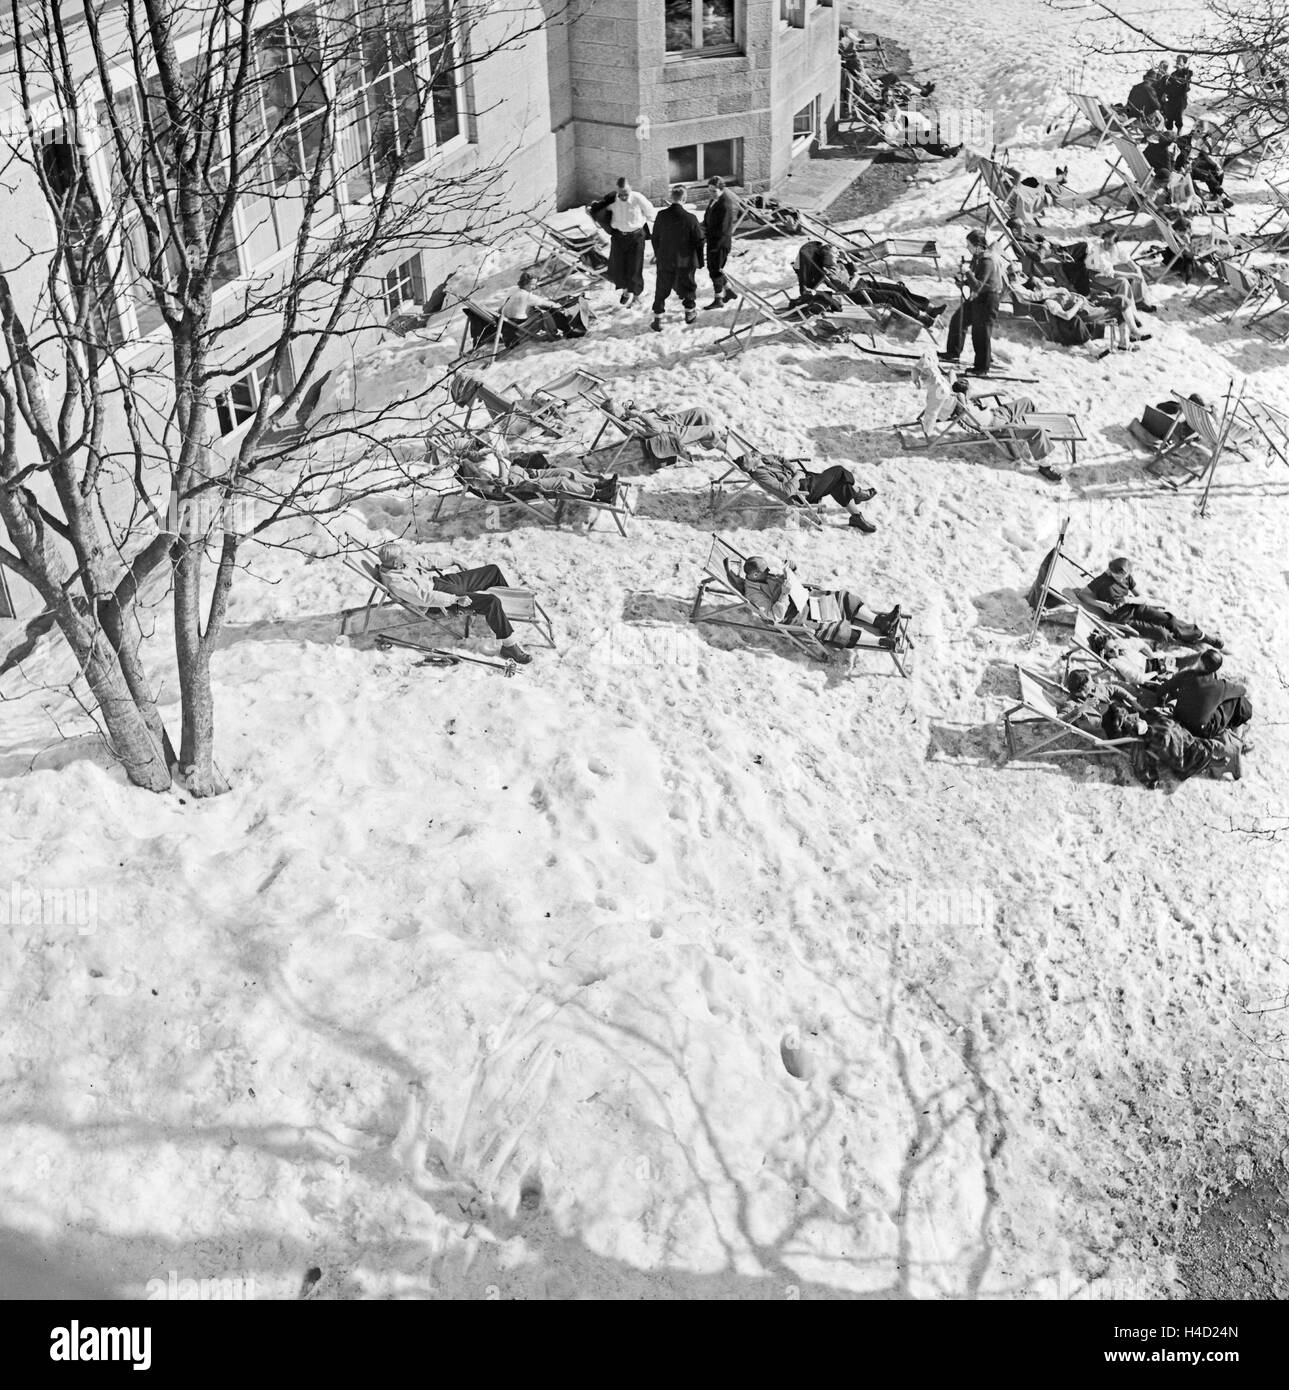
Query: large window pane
pixel 718 158
pixel 718 23
pixel 679 23
pixel 683 164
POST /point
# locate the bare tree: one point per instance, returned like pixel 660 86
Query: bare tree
pixel 222 179
pixel 1241 58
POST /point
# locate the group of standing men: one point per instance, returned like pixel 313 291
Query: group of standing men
pixel 681 245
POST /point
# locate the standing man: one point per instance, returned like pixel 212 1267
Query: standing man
pixel 718 233
pixel 1176 94
pixel 678 250
pixel 982 284
pixel 631 214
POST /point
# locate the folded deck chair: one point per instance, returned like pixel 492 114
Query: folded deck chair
pixel 740 489
pixel 521 605
pixel 731 609
pixel 1103 120
pixel 759 217
pixel 1039 705
pixel 564 252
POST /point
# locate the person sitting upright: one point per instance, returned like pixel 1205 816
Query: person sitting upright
pixel 773 588
pixel 1116 589
pixel 427 587
pixel 792 477
pixel 1168 745
pixel 533 315
pixel 1204 702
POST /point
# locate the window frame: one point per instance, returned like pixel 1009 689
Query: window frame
pixel 702 174
pixel 697 49
pixel 409 274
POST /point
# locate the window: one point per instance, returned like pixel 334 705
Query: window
pixel 444 84
pixel 803 123
pixel 404 284
pixel 382 87
pixel 238 402
pixel 85 248
pixel 793 12
pixel 128 109
pixel 697 163
pixel 703 26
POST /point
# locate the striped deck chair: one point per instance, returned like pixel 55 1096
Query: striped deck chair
pixel 738 490
pixel 1103 120
pixel 521 605
pixel 731 609
pixel 1040 703
pixel 1213 431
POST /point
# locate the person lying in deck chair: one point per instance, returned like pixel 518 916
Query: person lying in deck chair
pixel 820 268
pixel 1091 693
pixel 1116 588
pixel 665 435
pixel 426 587
pixel 773 588
pixel 483 459
pixel 1008 418
pixel 1136 662
pixel 1172 748
pixel 792 477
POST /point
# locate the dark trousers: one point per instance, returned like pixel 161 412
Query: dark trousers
pixel 835 482
pixel 959 323
pixel 984 314
pixel 716 257
pixel 683 279
pixel 1172 112
pixel 626 260
pixel 896 296
pixel 1151 622
pixel 488 606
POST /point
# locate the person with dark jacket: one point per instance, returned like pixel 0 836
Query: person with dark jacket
pixel 1176 94
pixel 718 235
pixel 1143 99
pixel 793 478
pixel 982 283
pixel 1116 588
pixel 678 250
pixel 1166 745
pixel 1158 152
pixel 1204 702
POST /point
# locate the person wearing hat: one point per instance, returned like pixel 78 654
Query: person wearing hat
pixel 982 284
pixel 1143 99
pixel 1176 93
pixel 1116 588
pixel 1168 746
pixel 427 587
pixel 1158 152
pixel 772 586
pixel 1204 702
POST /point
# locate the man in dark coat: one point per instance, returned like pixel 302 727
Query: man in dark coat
pixel 1206 703
pixel 678 250
pixel 1176 94
pixel 1143 99
pixel 718 233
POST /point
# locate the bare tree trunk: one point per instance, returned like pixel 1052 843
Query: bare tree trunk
pixel 141 755
pixel 197 740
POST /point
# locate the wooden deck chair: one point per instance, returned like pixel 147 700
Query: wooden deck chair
pixel 513 415
pixel 1273 231
pixel 1039 704
pixel 521 605
pixel 449 485
pixel 737 490
pixel 578 386
pixel 565 252
pixel 864 248
pixel 1103 120
pixel 633 430
pixel 992 184
pixel 965 425
pixel 1278 298
pixel 1245 286
pixel 754 310
pixel 1064 590
pixel 731 609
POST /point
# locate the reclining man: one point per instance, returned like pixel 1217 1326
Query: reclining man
pixel 668 435
pixel 426 587
pixel 482 459
pixel 817 264
pixel 1116 590
pixel 773 588
pixel 802 486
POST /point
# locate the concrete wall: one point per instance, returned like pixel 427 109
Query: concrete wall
pixel 632 103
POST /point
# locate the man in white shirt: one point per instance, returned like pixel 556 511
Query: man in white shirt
pixel 631 217
pixel 426 587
